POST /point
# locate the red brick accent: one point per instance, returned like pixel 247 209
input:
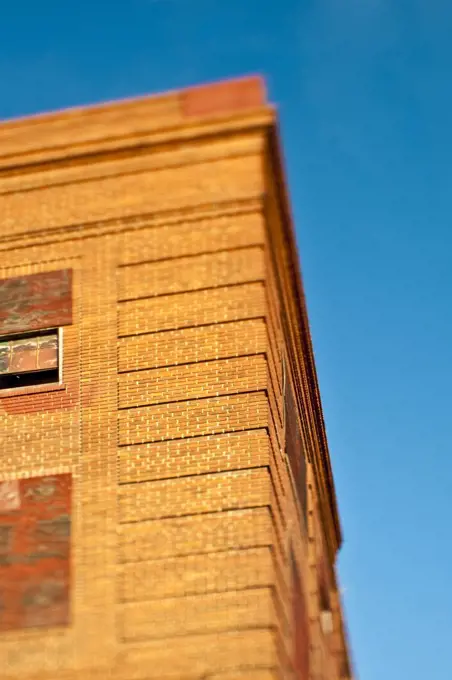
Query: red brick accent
pixel 36 302
pixel 39 399
pixel 231 96
pixel 34 552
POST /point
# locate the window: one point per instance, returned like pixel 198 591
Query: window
pixel 32 308
pixel 29 359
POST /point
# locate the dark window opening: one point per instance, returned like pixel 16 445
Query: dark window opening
pixel 11 380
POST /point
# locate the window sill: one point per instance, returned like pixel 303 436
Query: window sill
pixel 34 389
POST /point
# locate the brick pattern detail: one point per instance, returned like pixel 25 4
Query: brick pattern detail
pixel 35 302
pixel 193 418
pixel 193 381
pixel 186 310
pixel 190 495
pixel 197 614
pixel 204 235
pixel 198 656
pixel 193 534
pixel 193 455
pixel 35 523
pixel 184 274
pixel 190 345
pixel 196 574
pixel 119 197
pixel 196 455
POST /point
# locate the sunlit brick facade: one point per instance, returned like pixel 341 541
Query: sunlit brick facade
pixel 167 507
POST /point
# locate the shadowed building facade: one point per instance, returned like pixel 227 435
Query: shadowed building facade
pixel 167 507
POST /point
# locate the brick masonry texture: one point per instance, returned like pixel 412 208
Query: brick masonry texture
pixel 185 310
pixel 196 455
pixel 194 574
pixel 170 417
pixel 189 345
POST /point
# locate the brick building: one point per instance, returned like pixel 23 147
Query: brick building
pixel 167 506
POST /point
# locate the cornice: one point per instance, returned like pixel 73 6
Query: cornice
pixel 85 135
pixel 215 143
pixel 125 147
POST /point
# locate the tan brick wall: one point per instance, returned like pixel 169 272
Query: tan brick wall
pixel 197 455
pixel 325 657
pixel 215 305
pixel 181 469
pixel 171 416
pixel 196 534
pixel 196 574
pixel 189 345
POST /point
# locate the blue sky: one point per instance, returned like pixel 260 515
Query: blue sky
pixel 364 90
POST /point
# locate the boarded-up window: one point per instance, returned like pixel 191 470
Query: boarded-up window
pixel 294 447
pixel 36 302
pixel 300 623
pixel 35 521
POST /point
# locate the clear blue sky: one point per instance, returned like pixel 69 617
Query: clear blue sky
pixel 364 89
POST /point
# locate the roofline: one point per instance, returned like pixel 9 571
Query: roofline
pixel 93 129
pixel 255 81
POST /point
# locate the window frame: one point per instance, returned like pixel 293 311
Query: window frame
pixel 37 387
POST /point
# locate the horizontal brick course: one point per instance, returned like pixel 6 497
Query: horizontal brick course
pixel 191 495
pixel 204 379
pixel 126 195
pixel 160 460
pixel 193 418
pixel 218 341
pixel 192 238
pixel 191 309
pixel 206 573
pixel 250 674
pixel 178 275
pixel 195 534
pixel 196 614
pixel 196 656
